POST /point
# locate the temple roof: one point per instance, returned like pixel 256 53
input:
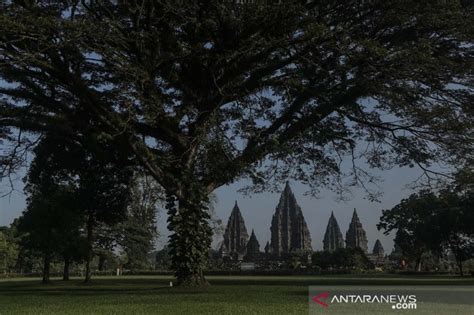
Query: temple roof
pixel 378 248
pixel 333 236
pixel 253 242
pixel 355 235
pixel 289 230
pixel 235 235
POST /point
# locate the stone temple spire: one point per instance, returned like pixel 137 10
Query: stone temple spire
pixel 355 235
pixel 289 231
pixel 378 249
pixel 235 235
pixel 268 249
pixel 253 246
pixel 333 236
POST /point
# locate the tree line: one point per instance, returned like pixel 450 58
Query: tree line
pixel 436 224
pixel 81 206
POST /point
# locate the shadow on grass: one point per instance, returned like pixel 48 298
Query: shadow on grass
pixel 153 286
pixel 398 281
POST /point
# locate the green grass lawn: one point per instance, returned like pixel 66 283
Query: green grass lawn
pixel 226 295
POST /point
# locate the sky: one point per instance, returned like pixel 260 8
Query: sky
pixel 258 209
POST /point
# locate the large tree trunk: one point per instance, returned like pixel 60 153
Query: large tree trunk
pixel 67 263
pixel 46 268
pixel 90 245
pixel 190 239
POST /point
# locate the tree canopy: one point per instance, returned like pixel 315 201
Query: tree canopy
pixel 97 188
pixel 50 226
pixel 202 93
pixel 138 231
pixel 428 222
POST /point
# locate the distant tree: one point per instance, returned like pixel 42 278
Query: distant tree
pixel 99 186
pixel 3 253
pixel 204 93
pixel 163 259
pixel 299 258
pixel 413 220
pixel 10 248
pixel 47 223
pixel 413 248
pixel 73 249
pixel 455 219
pixel 27 260
pixel 105 243
pixel 432 223
pixel 104 196
pixel 342 258
pixel 321 259
pixel 138 230
pixel 353 258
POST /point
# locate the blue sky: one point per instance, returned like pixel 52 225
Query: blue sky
pixel 258 209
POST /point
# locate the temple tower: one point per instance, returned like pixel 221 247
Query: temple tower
pixel 253 247
pixel 355 235
pixel 333 236
pixel 378 249
pixel 289 231
pixel 235 235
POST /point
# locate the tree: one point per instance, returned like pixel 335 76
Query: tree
pixel 3 253
pixel 73 249
pixel 163 259
pixel 354 258
pixel 429 222
pixel 321 259
pixel 138 231
pixel 105 242
pixel 414 220
pixel 47 223
pixel 104 196
pixel 9 248
pixel 57 201
pixel 456 238
pixel 72 245
pixel 205 93
pixel 99 182
pixel 454 218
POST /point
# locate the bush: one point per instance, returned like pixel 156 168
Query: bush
pixel 343 258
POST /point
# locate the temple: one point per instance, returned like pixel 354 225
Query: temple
pixel 253 248
pixel 378 249
pixel 289 231
pixel 333 237
pixel 235 235
pixel 356 236
pixel 290 236
pixel 267 248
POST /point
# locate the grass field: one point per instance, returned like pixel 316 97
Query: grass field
pixel 226 295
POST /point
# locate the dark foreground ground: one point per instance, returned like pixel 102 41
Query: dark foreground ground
pixel 226 295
